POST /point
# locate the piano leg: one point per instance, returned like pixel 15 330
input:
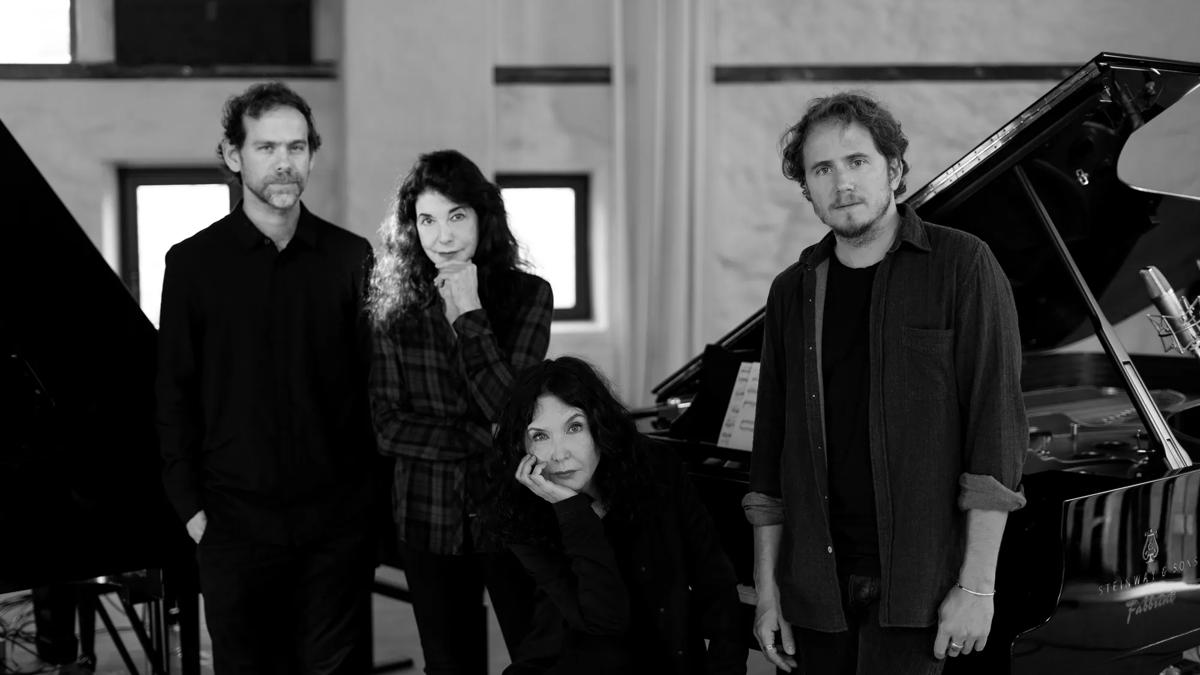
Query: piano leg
pixel 116 636
pixel 188 608
pixel 87 628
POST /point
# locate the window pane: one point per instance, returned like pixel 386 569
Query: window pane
pixel 543 221
pixel 35 31
pixel 166 215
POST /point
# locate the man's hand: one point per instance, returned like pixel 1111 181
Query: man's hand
pixel 965 619
pixel 196 526
pixel 767 622
pixel 964 622
pixel 458 284
pixel 529 474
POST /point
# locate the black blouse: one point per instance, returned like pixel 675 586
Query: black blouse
pixel 637 596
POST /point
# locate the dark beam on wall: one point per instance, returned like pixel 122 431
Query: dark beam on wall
pixel 552 75
pixel 948 72
pixel 510 75
pixel 86 71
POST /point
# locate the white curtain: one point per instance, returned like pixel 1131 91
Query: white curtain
pixel 659 77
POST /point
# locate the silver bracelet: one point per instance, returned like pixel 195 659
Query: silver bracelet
pixel 975 593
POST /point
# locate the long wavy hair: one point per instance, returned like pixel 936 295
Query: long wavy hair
pixel 402 278
pixel 623 477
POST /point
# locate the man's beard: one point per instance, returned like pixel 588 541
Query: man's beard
pixel 852 232
pixel 280 199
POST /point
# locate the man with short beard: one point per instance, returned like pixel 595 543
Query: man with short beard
pixel 265 432
pixel 890 428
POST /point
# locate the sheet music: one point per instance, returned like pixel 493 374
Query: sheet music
pixel 737 431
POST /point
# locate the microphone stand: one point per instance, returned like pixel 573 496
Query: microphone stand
pixel 1168 332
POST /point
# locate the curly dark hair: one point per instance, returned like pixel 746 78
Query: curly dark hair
pixel 256 100
pixel 845 107
pixel 402 279
pixel 623 477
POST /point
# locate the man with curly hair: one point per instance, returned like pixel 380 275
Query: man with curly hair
pixel 890 429
pixel 263 417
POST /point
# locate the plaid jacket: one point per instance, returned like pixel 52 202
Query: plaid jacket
pixel 434 397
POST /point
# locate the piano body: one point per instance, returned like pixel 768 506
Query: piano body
pixel 1100 572
pixel 81 495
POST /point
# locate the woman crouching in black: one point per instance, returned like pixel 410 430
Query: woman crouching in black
pixel 630 574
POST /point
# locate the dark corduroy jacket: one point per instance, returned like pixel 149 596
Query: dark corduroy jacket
pixel 947 426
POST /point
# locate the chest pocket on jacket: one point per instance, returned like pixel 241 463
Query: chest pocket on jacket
pixel 926 371
pixel 936 342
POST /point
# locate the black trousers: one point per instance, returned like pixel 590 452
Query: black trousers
pixel 447 599
pixel 289 608
pixel 866 648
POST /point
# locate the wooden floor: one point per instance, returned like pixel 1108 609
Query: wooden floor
pixel 395 637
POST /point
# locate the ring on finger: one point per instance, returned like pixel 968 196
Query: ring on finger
pixel 955 645
pixel 770 648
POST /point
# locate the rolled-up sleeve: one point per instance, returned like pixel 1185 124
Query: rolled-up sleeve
pixel 987 494
pixel 761 509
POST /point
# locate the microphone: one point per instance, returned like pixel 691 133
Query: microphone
pixel 1177 324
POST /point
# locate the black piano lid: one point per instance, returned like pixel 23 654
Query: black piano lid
pixel 80 488
pixel 1068 142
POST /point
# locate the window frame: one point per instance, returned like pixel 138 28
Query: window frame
pixel 129 180
pixel 73 37
pixel 581 184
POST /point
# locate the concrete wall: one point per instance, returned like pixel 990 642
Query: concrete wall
pixel 78 132
pixel 416 76
pixel 760 222
pixel 568 129
pixel 414 81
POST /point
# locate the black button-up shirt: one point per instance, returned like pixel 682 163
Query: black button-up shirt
pixel 263 356
pixel 946 420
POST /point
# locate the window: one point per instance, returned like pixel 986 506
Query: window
pixel 159 208
pixel 35 31
pixel 548 214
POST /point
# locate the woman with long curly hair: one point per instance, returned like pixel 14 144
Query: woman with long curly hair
pixel 455 320
pixel 630 573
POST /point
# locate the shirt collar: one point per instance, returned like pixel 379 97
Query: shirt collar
pixel 911 232
pixel 248 236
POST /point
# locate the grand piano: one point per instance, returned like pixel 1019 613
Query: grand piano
pixel 1099 573
pixel 82 505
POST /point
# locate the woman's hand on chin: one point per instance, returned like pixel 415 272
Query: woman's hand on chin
pixel 529 474
pixel 458 284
